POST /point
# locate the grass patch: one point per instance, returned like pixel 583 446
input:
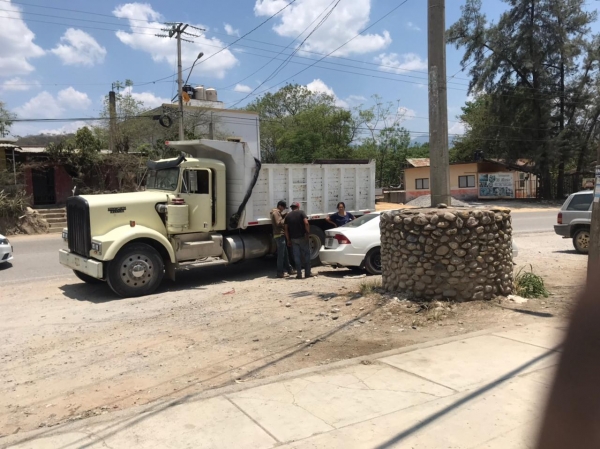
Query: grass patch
pixel 530 285
pixel 369 287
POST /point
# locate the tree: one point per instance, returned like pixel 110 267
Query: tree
pixel 6 120
pixel 298 125
pixel 528 65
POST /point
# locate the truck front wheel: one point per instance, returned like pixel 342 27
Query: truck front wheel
pixel 137 270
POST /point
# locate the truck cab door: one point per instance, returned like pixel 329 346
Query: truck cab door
pixel 196 190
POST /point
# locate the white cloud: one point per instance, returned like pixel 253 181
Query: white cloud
pixel 46 105
pixel 355 100
pixel 393 62
pixel 149 99
pixel 73 99
pixel 319 86
pixel 411 26
pixel 16 44
pixel 345 22
pixel 163 50
pixel 242 88
pixel 456 128
pixel 69 128
pixel 230 30
pixel 18 84
pixel 406 113
pixel 79 48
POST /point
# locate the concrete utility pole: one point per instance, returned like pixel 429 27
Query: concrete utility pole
pixel 112 110
pixel 178 30
pixel 594 245
pixel 439 181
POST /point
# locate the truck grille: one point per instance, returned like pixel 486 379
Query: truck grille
pixel 78 222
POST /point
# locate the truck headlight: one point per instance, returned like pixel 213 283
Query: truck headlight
pixel 97 246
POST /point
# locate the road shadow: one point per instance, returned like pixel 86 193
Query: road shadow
pixel 192 278
pixel 568 251
pixel 529 312
pixel 6 266
pixel 393 442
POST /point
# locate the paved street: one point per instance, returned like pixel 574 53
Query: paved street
pixel 36 257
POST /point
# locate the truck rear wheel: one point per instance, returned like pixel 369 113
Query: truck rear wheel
pixel 137 270
pixel 316 241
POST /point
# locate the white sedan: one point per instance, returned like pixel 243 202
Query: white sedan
pixel 6 250
pixel 356 244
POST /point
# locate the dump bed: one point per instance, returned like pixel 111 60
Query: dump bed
pixel 317 187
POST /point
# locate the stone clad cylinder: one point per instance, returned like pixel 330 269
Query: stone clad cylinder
pixel 456 254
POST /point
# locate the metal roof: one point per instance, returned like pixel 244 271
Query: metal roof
pixel 418 162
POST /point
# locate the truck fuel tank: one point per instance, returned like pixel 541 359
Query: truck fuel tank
pixel 248 246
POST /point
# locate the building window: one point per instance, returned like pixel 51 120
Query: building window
pixel 466 182
pixel 422 184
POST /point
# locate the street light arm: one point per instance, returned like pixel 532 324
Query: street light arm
pixel 193 65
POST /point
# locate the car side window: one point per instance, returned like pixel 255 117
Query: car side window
pixel 580 202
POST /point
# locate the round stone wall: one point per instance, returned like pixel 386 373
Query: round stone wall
pixel 462 254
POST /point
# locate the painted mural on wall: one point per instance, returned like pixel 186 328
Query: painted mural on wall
pixel 496 185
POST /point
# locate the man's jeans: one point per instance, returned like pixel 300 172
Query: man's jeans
pixel 301 250
pixel 283 260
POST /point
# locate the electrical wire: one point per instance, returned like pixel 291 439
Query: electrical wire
pixel 331 52
pixel 288 58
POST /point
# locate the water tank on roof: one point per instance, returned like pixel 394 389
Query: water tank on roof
pixel 199 93
pixel 211 94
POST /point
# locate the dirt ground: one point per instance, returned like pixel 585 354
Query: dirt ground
pixel 70 350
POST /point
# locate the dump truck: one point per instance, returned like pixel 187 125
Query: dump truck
pixel 209 206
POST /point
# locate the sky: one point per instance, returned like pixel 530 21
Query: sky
pixel 59 59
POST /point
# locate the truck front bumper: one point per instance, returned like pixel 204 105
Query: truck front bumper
pixel 90 267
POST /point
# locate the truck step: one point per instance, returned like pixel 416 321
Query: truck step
pixel 208 263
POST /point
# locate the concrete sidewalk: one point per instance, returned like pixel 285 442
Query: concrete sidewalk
pixel 484 390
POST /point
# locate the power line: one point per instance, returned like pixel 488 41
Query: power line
pixel 345 43
pixel 287 60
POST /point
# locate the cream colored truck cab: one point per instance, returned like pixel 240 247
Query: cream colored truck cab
pixel 207 207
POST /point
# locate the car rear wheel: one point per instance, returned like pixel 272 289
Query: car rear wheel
pixel 86 278
pixel 373 261
pixel 581 241
pixel 137 270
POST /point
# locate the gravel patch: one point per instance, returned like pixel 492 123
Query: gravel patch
pixel 425 201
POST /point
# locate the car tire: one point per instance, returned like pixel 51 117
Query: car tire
pixel 316 241
pixel 137 271
pixel 581 240
pixel 373 261
pixel 87 278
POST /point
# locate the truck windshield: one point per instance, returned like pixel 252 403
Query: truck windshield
pixel 166 179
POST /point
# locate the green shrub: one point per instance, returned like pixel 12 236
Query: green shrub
pixel 530 285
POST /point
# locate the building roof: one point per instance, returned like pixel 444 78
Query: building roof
pixel 418 162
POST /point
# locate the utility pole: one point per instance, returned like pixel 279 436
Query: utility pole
pixel 594 244
pixel 112 110
pixel 439 181
pixel 177 30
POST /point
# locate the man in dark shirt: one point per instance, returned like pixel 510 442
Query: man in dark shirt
pixel 297 231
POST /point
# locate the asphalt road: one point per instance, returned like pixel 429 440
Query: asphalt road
pixel 36 257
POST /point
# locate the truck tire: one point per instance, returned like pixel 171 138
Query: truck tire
pixel 137 270
pixel 581 240
pixel 316 241
pixel 87 278
pixel 373 261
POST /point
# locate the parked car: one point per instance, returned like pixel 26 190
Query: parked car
pixel 574 219
pixel 357 244
pixel 6 250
